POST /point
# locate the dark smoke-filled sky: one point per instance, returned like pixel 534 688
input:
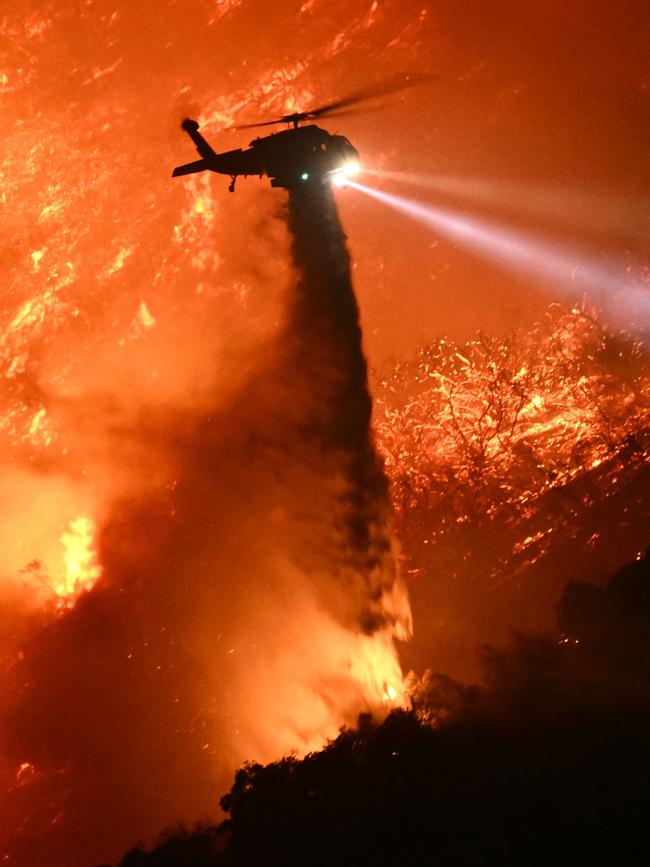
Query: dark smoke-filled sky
pixel 143 426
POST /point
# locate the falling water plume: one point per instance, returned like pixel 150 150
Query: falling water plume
pixel 329 357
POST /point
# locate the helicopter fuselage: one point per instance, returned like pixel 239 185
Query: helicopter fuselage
pixel 288 158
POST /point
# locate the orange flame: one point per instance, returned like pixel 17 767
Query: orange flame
pixel 375 667
pixel 82 568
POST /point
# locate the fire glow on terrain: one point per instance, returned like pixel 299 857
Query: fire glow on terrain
pixel 529 454
pixel 150 580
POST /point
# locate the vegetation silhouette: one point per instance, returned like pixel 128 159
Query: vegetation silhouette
pixel 511 459
pixel 548 763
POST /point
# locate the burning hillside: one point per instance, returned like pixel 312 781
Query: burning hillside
pixel 516 464
pixel 199 552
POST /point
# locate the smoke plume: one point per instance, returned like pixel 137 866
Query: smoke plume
pixel 249 599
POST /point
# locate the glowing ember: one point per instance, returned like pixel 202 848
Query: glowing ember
pixel 82 568
pixel 578 400
pixel 517 464
pixel 25 773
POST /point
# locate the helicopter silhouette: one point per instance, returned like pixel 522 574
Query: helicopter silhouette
pixel 298 155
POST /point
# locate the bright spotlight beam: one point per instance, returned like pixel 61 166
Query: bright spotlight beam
pixel 609 285
pixel 629 216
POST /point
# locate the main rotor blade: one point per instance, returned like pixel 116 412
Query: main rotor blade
pixel 392 85
pixel 353 112
pixel 253 125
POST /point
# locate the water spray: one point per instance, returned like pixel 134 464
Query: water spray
pixel 324 329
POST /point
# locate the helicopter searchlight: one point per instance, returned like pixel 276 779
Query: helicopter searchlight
pixel 341 177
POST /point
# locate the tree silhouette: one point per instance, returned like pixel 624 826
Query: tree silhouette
pixel 548 764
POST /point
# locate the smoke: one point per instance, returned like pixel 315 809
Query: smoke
pixel 250 595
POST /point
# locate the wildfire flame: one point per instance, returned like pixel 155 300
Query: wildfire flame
pixel 80 558
pixel 376 666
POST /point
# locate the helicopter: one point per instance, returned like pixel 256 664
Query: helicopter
pixel 298 155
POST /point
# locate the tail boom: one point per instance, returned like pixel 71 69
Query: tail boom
pixel 191 168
